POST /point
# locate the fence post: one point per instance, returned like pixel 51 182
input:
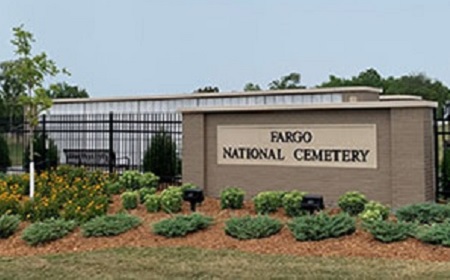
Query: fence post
pixel 111 146
pixel 44 146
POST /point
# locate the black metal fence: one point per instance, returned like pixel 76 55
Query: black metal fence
pixel 111 142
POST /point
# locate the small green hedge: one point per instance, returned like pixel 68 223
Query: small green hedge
pixel 130 200
pixel 46 231
pixel 388 231
pixel 252 227
pixel 321 226
pixel 374 211
pixel 182 225
pixel 424 213
pixel 352 202
pixel 143 192
pixel 8 225
pixel 171 200
pixel 152 203
pixel 267 202
pixel 232 198
pixel 110 225
pixel 291 202
pixel 438 234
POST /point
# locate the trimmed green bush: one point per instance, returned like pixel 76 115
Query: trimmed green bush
pixel 388 231
pixel 8 225
pixel 48 230
pixel 291 202
pixel 114 188
pixel 143 192
pixel 267 202
pixel 172 200
pixel 182 225
pixel 232 197
pixel 148 180
pixel 152 203
pixel 438 234
pixel 252 227
pixel 131 180
pixel 374 211
pixel 5 161
pixel 424 213
pixel 321 226
pixel 352 202
pixel 130 200
pixel 110 225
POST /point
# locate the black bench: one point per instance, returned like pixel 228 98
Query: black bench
pixel 95 158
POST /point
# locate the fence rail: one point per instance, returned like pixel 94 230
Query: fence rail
pixel 121 139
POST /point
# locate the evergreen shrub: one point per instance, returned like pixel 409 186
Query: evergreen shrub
pixel 182 225
pixel 321 226
pixel 248 227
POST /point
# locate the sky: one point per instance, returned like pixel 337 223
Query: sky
pixel 140 47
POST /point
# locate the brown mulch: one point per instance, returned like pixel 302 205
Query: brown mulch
pixel 359 244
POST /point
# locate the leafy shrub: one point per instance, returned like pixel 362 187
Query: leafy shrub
pixel 110 225
pixel 114 188
pixel 291 203
pixel 5 161
pixel 388 231
pixel 143 192
pixel 188 186
pixel 152 203
pixel 149 180
pixel 8 225
pixel 232 197
pixel 131 180
pixel 46 231
pixel 130 200
pixel 321 226
pixel 438 234
pixel 182 225
pixel 352 203
pixel 47 159
pixel 374 211
pixel 171 200
pixel 424 213
pixel 267 202
pixel 252 227
pixel 161 156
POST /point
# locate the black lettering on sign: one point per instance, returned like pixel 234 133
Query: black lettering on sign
pixel 291 136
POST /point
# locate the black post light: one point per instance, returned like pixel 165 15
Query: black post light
pixel 312 203
pixel 193 196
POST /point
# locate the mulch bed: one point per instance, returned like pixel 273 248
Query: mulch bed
pixel 359 244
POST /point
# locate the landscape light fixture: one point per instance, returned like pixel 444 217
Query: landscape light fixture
pixel 193 196
pixel 312 203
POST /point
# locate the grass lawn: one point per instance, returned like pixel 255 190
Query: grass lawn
pixel 176 263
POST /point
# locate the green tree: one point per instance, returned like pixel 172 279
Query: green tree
pixel 30 71
pixel 291 81
pixel 10 92
pixel 413 84
pixel 64 90
pixel 161 156
pixel 207 89
pixel 252 87
pixel 369 77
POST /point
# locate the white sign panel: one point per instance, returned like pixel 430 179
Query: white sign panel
pixel 342 146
